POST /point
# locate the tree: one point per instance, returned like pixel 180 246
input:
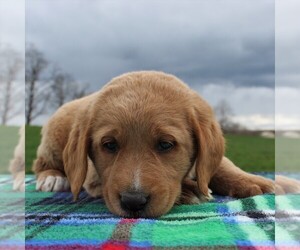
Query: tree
pixel 11 64
pixel 55 89
pixel 37 95
pixel 224 114
pixel 65 88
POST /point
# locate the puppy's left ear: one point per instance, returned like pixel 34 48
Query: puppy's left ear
pixel 210 142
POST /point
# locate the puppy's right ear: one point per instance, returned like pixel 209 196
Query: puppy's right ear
pixel 75 155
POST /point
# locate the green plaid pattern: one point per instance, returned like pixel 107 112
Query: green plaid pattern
pixel 12 216
pixel 53 221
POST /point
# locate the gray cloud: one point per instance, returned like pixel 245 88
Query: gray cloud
pixel 199 41
pixel 217 47
pixel 12 25
pixel 288 43
pixel 220 48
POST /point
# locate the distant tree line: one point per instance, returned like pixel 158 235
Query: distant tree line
pixel 47 86
pixel 11 64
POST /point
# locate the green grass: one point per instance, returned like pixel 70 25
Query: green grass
pixel 9 137
pixel 287 154
pixel 251 153
pixel 33 139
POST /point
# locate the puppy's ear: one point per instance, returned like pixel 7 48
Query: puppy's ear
pixel 75 155
pixel 210 142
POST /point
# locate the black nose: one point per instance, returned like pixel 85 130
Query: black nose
pixel 133 201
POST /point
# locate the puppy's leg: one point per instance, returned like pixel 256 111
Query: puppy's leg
pixel 190 193
pixel 19 181
pixel 52 181
pixel 49 179
pixel 231 180
pixel 17 168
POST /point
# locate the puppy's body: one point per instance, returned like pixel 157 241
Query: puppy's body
pixel 138 143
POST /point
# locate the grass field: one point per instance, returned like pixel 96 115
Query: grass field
pixel 8 140
pixel 251 153
pixel 287 154
pixel 33 138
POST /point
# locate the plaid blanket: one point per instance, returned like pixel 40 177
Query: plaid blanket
pixel 53 221
pixel 12 216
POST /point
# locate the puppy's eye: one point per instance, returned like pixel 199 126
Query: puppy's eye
pixel 111 146
pixel 164 146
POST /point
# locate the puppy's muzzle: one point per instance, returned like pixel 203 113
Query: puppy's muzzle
pixel 133 201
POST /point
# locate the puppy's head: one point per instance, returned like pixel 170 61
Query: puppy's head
pixel 144 132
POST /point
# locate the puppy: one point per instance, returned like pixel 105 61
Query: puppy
pixel 144 142
pixel 17 164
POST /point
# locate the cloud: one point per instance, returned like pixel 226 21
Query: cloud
pixel 243 100
pixel 195 40
pixel 12 24
pixel 222 49
pixel 287 43
pixel 287 122
pixel 256 121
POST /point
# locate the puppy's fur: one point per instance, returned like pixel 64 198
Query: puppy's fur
pixel 137 112
pixel 17 164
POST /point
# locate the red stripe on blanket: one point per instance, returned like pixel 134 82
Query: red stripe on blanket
pixel 120 237
pixel 106 246
pixel 256 247
pixel 113 246
pixel 288 248
pixel 120 246
pixel 130 221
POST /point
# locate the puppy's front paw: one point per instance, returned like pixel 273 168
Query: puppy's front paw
pixel 19 182
pixel 251 186
pixel 264 186
pixel 285 185
pixel 52 184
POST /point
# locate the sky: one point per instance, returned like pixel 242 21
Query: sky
pixel 287 50
pixel 225 50
pixel 12 23
pixel 12 35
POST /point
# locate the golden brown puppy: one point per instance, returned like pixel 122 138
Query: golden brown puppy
pixel 139 142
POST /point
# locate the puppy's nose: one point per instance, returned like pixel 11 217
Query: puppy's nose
pixel 133 201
